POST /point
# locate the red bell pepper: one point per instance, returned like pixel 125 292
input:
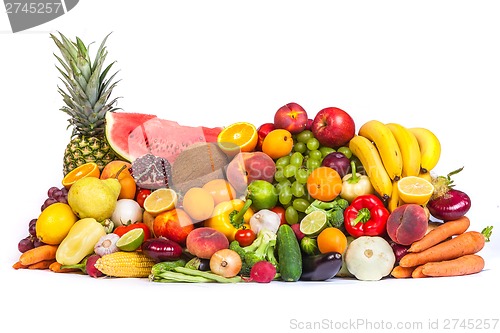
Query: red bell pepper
pixel 366 216
pixel 121 230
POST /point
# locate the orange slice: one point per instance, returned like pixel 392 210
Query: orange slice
pixel 160 200
pixel 240 136
pixel 85 170
pixel 416 190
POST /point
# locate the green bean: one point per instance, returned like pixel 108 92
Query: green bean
pixel 207 275
pixel 169 276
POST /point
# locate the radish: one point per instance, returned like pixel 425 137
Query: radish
pixel 262 272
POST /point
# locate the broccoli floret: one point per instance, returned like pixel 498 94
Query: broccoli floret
pixel 261 249
pixel 334 210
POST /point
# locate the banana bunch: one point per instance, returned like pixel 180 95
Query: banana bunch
pixel 391 151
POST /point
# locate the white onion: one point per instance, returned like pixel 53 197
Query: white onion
pixel 127 211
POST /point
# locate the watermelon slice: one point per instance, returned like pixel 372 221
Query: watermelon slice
pixel 132 135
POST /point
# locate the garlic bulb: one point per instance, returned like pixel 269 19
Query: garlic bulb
pixel 106 244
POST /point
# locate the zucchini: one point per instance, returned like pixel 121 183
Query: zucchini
pixel 289 255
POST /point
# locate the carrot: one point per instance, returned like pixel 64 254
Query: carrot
pixel 441 233
pixel 44 264
pixel 18 265
pixel 56 267
pixel 37 254
pixel 464 265
pixel 402 272
pixel 469 242
pixel 418 273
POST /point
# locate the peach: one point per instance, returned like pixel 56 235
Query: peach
pixel 246 167
pixel 291 117
pixel 203 242
pixel 407 224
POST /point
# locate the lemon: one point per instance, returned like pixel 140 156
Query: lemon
pixel 415 190
pixel 54 223
pixel 161 200
pixel 131 240
pixel 313 223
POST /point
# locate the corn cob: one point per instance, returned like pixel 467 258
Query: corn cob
pixel 125 264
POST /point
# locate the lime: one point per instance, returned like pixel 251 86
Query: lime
pixel 263 194
pixel 313 223
pixel 131 240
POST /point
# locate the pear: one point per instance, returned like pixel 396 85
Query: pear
pixel 94 198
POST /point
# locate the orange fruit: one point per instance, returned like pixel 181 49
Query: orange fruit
pixel 128 187
pixel 240 136
pixel 415 190
pixel 198 203
pixel 221 190
pixel 332 240
pixel 85 170
pixel 160 200
pixel 277 143
pixel 324 183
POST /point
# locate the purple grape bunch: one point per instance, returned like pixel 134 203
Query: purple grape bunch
pixel 54 195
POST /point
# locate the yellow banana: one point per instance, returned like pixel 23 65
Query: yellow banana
pixel 410 150
pixel 430 148
pixel 369 156
pixel 386 144
pixel 394 201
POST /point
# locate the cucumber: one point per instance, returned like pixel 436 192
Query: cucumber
pixel 289 255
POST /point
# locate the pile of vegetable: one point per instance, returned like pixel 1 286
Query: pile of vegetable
pixel 295 199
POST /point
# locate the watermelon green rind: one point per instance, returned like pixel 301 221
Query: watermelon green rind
pixel 118 127
pixel 132 135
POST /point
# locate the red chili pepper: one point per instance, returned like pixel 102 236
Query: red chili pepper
pixel 121 230
pixel 366 216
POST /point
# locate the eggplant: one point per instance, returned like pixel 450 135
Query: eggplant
pixel 321 267
pixel 199 264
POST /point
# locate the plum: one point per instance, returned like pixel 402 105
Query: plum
pixel 407 224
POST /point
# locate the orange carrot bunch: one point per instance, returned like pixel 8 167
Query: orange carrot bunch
pixel 42 257
pixel 448 250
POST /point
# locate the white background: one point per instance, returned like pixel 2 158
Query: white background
pixel 428 63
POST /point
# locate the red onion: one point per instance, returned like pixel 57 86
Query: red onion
pixel 450 206
pixel 399 250
pixel 161 249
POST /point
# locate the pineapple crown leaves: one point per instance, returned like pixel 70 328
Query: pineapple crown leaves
pixel 87 89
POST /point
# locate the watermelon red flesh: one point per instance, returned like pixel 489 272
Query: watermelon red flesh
pixel 132 135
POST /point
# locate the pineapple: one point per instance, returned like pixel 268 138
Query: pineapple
pixel 86 98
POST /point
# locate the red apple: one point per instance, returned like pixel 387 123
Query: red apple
pixel 262 131
pixel 333 127
pixel 174 224
pixel 291 117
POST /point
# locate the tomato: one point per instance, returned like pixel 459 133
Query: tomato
pixel 141 195
pixel 245 237
pixel 121 230
pixel 281 213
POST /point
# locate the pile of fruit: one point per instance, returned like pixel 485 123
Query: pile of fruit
pixel 298 198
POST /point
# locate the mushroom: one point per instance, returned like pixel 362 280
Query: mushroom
pixel 370 258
